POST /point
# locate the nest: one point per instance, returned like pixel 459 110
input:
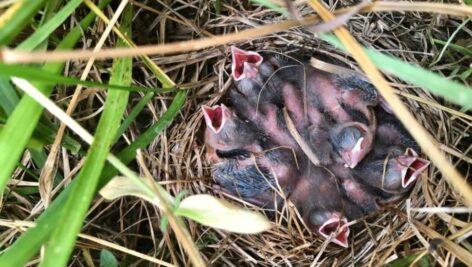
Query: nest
pixel 176 157
pixel 386 235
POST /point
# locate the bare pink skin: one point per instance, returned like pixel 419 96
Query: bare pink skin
pixel 346 109
pixel 309 122
pixel 225 131
pixel 393 166
pixel 247 70
pixel 355 191
pixel 320 204
pixel 321 86
pixel 268 117
pixel 328 94
pixel 245 64
pixel 294 103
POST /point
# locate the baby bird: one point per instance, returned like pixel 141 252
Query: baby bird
pixel 260 95
pixel 355 191
pixel 352 142
pixel 321 206
pixel 343 98
pixel 396 173
pixel 240 166
pixel 268 117
pixel 342 101
pixel 226 133
pixel 394 165
pixel 262 179
pixel 253 76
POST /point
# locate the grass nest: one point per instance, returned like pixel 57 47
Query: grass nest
pixel 177 157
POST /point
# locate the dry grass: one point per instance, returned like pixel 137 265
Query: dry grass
pixel 176 158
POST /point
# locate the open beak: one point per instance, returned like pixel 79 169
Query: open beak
pixel 412 166
pixel 354 156
pixel 215 117
pixel 339 226
pixel 245 64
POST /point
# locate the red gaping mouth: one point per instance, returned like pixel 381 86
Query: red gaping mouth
pixel 413 166
pixel 336 225
pixel 214 117
pixel 242 60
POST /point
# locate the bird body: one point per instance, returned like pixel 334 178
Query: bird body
pixel 225 131
pixel 365 158
pixel 260 179
pixel 321 205
pixel 394 165
pixel 240 165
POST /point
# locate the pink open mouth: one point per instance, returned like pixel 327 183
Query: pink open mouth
pixel 354 156
pixel 336 225
pixel 214 117
pixel 244 63
pixel 412 165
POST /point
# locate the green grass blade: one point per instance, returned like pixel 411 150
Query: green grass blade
pixel 458 48
pixel 43 32
pixel 449 41
pixel 133 114
pixel 45 129
pixel 272 5
pixel 44 134
pixel 129 153
pixel 107 259
pixel 23 120
pixel 8 96
pixel 11 28
pixel 39 156
pixel 453 91
pixel 28 244
pixel 45 77
pixel 47 133
pixel 63 238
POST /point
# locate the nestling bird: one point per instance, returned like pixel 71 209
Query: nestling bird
pixel 253 76
pixel 365 199
pixel 261 95
pixel 261 179
pixel 395 174
pixel 240 166
pixel 393 165
pixel 279 108
pixel 352 141
pixel 341 101
pixel 321 206
pixel 342 98
pixel 225 131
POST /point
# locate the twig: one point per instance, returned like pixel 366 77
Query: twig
pixel 303 145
